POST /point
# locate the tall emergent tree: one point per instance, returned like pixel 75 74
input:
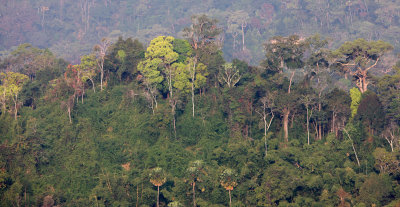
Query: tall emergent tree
pixel 284 54
pixel 88 68
pixel 101 52
pixel 161 50
pixel 201 35
pixel 359 57
pixel 267 111
pixel 158 63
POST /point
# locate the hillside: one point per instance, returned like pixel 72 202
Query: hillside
pixel 174 121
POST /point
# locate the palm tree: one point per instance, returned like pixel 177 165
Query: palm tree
pixel 194 173
pixel 157 178
pixel 228 180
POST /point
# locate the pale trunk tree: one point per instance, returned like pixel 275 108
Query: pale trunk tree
pixel 194 194
pixel 266 103
pixel 309 115
pixel 230 198
pixel 172 103
pixel 101 51
pixel 15 99
pixel 158 196
pixel 151 96
pixel 234 35
pixel 352 144
pixel 244 25
pixel 192 71
pixel 390 135
pixel 286 112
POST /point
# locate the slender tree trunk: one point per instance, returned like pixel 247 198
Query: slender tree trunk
pixel 83 94
pixel 243 26
pixel 137 195
pixel 94 89
pixel 333 122
pixel 170 80
pixel 319 123
pixel 308 128
pixel 193 77
pixel 320 131
pixel 25 197
pixel 352 144
pixel 69 114
pixel 158 196
pixel 230 199
pixel 15 107
pixel 265 134
pixel 194 194
pixel 101 77
pixel 290 81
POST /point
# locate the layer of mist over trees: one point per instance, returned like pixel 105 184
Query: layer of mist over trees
pixel 70 28
pixel 178 121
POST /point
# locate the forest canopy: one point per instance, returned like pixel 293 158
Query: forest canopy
pixel 174 120
pixel 71 28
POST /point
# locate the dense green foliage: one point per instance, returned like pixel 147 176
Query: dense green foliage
pixel 175 124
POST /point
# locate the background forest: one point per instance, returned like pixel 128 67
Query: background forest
pixel 198 118
pixel 71 28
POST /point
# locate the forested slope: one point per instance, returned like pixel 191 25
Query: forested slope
pixel 175 124
pixel 70 28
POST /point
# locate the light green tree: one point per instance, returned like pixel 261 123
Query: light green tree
pixel 11 86
pixel 189 77
pixel 87 69
pixel 157 67
pixel 161 51
pixel 355 95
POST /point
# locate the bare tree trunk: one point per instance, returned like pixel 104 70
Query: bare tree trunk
pixel 290 81
pixel 137 195
pixel 69 114
pixel 170 80
pixel 352 144
pixel 333 122
pixel 230 199
pixel 101 74
pixel 15 107
pixel 364 84
pixel 94 89
pixel 286 113
pixel 265 134
pixel 308 128
pixel 193 74
pixel 243 26
pixel 25 196
pixel 194 194
pixel 158 196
